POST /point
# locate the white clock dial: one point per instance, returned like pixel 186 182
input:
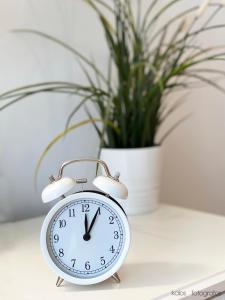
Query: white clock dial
pixel 86 238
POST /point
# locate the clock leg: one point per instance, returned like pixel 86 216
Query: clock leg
pixel 59 281
pixel 116 277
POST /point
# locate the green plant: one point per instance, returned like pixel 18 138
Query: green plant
pixel 146 64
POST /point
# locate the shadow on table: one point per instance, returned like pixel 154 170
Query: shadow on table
pixel 140 275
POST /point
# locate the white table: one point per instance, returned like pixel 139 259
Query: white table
pixel 172 249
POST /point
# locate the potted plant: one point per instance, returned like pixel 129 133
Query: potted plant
pixel 131 97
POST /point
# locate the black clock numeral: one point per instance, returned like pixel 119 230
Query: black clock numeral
pixel 71 212
pixel 112 249
pixel 116 235
pixel 111 220
pixel 102 260
pixel 56 238
pixel 73 260
pixel 87 265
pixel 85 208
pixel 61 252
pixel 62 223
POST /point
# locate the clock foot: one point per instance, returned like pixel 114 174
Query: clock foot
pixel 116 277
pixel 59 281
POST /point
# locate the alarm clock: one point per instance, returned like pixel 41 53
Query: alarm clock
pixel 85 237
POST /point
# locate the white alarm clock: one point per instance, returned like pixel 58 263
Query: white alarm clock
pixel 85 237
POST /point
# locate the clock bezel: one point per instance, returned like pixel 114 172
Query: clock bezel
pixel 43 238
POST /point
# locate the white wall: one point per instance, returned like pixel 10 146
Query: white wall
pixel 26 128
pixel 194 160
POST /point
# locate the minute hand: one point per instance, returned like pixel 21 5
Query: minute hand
pixel 93 220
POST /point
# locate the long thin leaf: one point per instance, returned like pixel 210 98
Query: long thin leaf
pixel 64 45
pixel 76 109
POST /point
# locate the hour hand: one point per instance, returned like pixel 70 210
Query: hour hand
pixel 86 235
pixel 86 224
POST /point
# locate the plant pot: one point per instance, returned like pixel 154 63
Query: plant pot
pixel 140 172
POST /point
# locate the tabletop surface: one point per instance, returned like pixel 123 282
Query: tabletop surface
pixel 171 248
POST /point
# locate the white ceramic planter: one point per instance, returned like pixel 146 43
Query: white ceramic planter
pixel 140 171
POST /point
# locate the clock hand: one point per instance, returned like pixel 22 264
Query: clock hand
pixel 86 224
pixel 87 235
pixel 94 219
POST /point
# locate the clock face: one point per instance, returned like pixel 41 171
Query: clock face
pixel 87 237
